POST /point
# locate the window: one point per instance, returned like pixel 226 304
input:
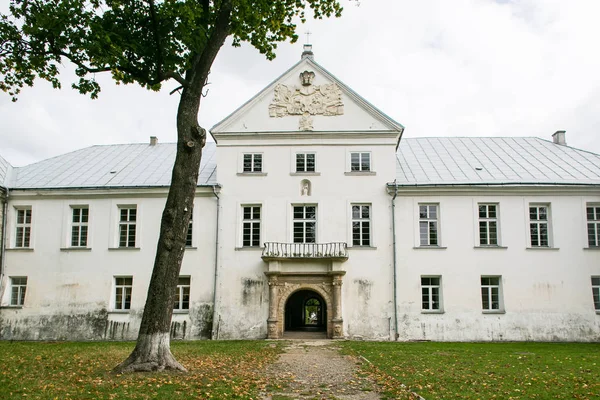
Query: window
pixel 538 225
pixel 430 293
pixel 488 224
pixel 361 225
pixel 593 225
pixel 18 287
pixel 252 162
pixel 428 224
pixel 360 162
pixel 490 293
pixel 305 162
pixel 305 224
pixel 127 225
pixel 189 234
pixel 182 296
pixel 123 287
pixel 251 226
pixel 596 291
pixel 79 226
pixel 23 231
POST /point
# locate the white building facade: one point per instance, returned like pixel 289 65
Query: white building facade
pixel 312 213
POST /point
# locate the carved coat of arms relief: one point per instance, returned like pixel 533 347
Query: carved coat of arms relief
pixel 306 101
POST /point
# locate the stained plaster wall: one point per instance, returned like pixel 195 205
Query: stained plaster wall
pixel 70 293
pixel 243 290
pixel 547 294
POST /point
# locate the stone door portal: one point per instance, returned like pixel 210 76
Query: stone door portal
pixel 305 301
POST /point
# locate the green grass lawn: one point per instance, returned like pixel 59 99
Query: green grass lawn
pixel 484 370
pixel 63 370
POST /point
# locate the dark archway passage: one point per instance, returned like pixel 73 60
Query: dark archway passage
pixel 305 310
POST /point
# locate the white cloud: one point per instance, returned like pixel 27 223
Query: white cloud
pixel 441 68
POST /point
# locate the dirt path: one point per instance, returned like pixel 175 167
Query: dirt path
pixel 314 369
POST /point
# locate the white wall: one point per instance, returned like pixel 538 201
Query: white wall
pixel 70 293
pixel 367 284
pixel 547 293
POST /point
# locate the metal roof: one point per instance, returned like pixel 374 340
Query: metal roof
pixel 493 160
pixel 112 166
pixel 419 161
pixel 5 171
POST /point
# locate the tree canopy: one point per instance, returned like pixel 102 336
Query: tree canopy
pixel 147 42
pixel 141 41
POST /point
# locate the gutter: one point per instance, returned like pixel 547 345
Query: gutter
pixel 215 329
pixel 395 263
pixel 491 184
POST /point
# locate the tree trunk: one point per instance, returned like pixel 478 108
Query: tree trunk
pixel 152 351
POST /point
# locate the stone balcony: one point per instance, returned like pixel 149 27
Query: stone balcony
pixel 335 251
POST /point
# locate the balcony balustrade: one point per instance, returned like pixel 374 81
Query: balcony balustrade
pixel 287 251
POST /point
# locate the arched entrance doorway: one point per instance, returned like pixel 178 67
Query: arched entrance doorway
pixel 306 310
pixel 290 292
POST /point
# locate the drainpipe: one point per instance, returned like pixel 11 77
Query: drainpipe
pixel 215 332
pixel 4 197
pixel 394 252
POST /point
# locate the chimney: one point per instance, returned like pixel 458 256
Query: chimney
pixel 307 53
pixel 559 138
pixel 153 140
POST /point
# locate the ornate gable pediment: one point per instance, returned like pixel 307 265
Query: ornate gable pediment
pixel 306 101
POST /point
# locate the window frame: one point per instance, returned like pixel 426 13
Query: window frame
pixel 189 235
pixel 429 220
pixel 253 163
pixel 593 240
pixel 305 170
pixel 127 224
pixel 360 154
pixel 122 307
pixel 251 222
pixel 595 281
pixel 79 225
pixel 180 294
pixel 21 291
pixel 305 221
pixel 27 228
pixel 362 222
pixel 487 221
pixel 490 295
pixel 539 223
pixel 430 288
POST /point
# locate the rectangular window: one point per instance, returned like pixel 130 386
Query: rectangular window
pixel 182 296
pixel 488 224
pixel 305 162
pixel 18 287
pixel 127 225
pixel 428 224
pixel 593 225
pixel 189 234
pixel 538 225
pixel 596 291
pixel 252 162
pixel 251 226
pixel 490 293
pixel 305 224
pixel 79 226
pixel 360 162
pixel 23 228
pixel 361 225
pixel 123 285
pixel 430 293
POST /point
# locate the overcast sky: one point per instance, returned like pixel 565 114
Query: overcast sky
pixel 440 68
